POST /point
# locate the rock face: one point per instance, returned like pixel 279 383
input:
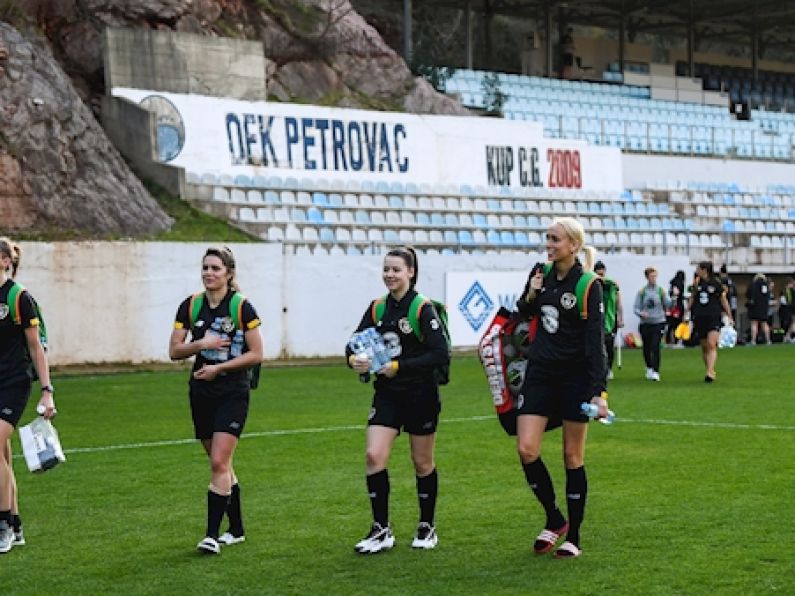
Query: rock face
pixel 57 167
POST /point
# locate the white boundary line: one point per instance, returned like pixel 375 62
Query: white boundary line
pixel 329 429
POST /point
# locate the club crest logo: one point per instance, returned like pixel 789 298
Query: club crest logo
pixel 404 325
pixel 3 311
pixel 568 300
pixel 227 326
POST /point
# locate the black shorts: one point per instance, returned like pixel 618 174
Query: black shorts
pixel 414 410
pixel 556 392
pixel 704 324
pixel 214 412
pixel 13 399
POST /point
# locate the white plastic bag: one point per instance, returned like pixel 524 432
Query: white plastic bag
pixel 41 445
pixel 728 337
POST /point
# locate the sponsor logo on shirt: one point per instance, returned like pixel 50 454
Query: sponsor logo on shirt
pixel 3 311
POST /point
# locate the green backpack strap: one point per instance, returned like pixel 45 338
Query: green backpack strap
pixel 378 309
pixel 236 309
pixel 581 290
pixel 414 313
pixel 195 307
pixel 14 295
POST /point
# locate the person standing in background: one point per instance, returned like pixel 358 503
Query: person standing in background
pixel 650 306
pixel 731 290
pixel 707 300
pixel 613 315
pixel 758 304
pixel 676 313
pixel 787 310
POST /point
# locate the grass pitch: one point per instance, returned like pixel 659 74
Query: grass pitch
pixel 689 491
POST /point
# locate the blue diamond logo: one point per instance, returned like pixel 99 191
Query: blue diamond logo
pixel 476 306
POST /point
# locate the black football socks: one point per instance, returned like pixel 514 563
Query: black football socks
pixel 427 489
pixel 216 507
pixel 576 492
pixel 539 480
pixel 378 490
pixel 233 512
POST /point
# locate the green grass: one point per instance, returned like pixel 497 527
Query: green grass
pixel 689 490
pixel 192 224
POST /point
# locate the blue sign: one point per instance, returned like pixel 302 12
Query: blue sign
pixel 476 306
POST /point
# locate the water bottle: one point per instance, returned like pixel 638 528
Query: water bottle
pixel 214 354
pixel 592 411
pixel 381 356
pixel 236 348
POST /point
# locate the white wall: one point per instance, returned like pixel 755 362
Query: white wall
pixel 640 169
pixel 115 301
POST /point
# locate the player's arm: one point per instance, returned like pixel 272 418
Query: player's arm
pixel 38 356
pixel 726 307
pixel 619 308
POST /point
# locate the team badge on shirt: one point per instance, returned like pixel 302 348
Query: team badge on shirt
pixel 434 324
pixel 3 311
pixel 227 326
pixel 568 300
pixel 404 325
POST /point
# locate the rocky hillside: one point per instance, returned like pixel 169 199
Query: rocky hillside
pixel 57 169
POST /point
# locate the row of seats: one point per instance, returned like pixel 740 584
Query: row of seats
pixel 437 203
pixel 734 199
pixel 506 239
pixel 263 183
pixel 438 220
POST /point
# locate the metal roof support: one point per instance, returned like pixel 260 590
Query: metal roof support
pixel 407 32
pixel 548 41
pixel 622 35
pixel 469 25
pixel 691 41
pixel 488 17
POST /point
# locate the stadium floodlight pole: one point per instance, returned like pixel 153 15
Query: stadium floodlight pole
pixel 407 32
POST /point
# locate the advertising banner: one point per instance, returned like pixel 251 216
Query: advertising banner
pixel 220 136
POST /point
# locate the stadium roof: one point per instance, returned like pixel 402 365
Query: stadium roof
pixel 733 20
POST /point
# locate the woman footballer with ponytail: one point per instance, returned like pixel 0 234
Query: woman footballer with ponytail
pixel 226 341
pixel 406 397
pixel 567 366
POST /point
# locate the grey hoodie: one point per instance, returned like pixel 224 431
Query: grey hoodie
pixel 653 301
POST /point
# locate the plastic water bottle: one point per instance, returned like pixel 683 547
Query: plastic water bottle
pixel 381 355
pixel 215 354
pixel 236 349
pixel 592 411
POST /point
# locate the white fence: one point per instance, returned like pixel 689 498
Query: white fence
pixel 116 301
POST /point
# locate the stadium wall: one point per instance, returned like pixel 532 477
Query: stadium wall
pixel 640 169
pixel 133 131
pixel 115 301
pixel 184 63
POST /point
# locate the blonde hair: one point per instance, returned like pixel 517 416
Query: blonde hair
pixel 576 232
pixel 12 251
pixel 228 259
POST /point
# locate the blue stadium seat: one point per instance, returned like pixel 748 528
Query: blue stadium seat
pixel 493 237
pixel 327 235
pixel 423 219
pixel 320 199
pixel 314 215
